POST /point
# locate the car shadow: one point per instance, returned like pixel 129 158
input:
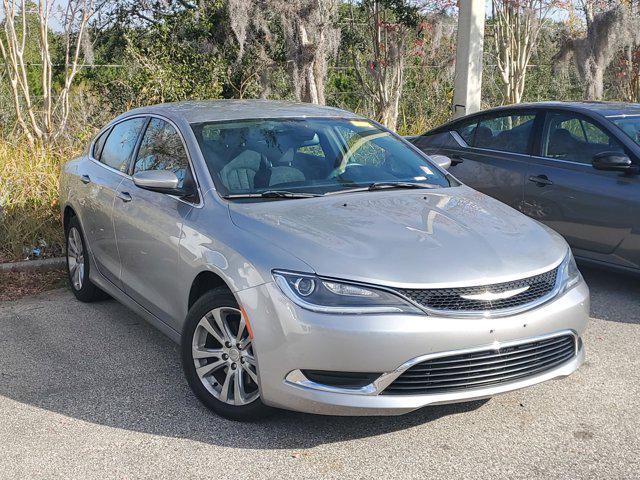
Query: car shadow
pixel 101 363
pixel 615 297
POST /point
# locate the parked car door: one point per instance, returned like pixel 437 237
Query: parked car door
pixel 594 210
pixel 489 152
pixel 149 224
pixel 100 178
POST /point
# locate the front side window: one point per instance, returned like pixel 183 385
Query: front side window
pixel 629 124
pixel 308 156
pixel 120 143
pixel 506 133
pixel 571 137
pixel 162 149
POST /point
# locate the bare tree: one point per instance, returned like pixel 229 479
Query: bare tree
pixel 517 26
pixel 310 37
pixel 42 120
pixel 608 33
pixel 388 26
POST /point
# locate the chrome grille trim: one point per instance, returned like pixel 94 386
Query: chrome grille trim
pixel 463 370
pixel 449 302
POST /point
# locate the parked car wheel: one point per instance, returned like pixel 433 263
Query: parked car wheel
pixel 218 357
pixel 78 265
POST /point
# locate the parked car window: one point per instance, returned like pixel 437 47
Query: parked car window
pixel 467 130
pixel 162 149
pixel 120 143
pixel 507 133
pixel 571 137
pixel 629 124
pixel 98 145
pixel 436 141
pixel 316 155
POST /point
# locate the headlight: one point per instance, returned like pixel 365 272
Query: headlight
pixel 570 275
pixel 331 296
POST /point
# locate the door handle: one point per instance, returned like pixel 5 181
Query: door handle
pixel 85 179
pixel 124 196
pixel 540 180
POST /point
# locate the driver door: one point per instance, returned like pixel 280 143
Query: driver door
pixel 565 192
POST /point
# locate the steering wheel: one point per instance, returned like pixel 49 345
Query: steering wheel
pixel 336 171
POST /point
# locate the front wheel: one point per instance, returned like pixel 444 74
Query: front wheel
pixel 218 357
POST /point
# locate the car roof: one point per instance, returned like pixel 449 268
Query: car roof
pixel 229 110
pixel 605 109
pixel 602 108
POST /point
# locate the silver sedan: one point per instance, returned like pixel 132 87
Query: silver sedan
pixel 307 258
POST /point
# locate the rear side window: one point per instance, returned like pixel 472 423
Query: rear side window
pixel 162 149
pixel 120 143
pixel 98 145
pixel 506 133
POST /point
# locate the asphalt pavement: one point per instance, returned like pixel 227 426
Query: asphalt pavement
pixel 92 391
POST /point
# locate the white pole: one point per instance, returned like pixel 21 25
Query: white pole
pixel 468 79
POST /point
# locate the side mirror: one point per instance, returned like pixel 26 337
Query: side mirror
pixel 443 161
pixel 613 161
pixel 162 181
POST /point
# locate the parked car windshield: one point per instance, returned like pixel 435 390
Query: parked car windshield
pixel 314 156
pixel 630 124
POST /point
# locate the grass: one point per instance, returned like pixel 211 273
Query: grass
pixel 29 213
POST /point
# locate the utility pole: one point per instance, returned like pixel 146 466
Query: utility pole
pixel 468 79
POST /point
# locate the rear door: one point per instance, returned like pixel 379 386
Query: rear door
pixel 592 209
pixel 489 152
pixel 101 178
pixel 149 224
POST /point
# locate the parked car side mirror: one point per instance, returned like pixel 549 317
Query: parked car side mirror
pixel 162 181
pixel 613 161
pixel 442 160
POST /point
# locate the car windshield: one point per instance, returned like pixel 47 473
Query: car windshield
pixel 630 124
pixel 288 157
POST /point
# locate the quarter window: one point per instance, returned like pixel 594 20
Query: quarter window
pixel 506 133
pixel 467 131
pixel 98 145
pixel 436 141
pixel 571 137
pixel 162 149
pixel 120 144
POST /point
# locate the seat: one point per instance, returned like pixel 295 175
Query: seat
pixel 240 173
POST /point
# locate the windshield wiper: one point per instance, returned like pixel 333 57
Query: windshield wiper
pixel 273 194
pixel 381 185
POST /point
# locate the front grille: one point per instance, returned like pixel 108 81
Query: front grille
pixel 484 368
pixel 451 299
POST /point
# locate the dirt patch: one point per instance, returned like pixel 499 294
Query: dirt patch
pixel 14 285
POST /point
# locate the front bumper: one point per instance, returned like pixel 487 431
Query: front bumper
pixel 288 339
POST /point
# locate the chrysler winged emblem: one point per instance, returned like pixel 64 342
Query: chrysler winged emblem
pixel 491 296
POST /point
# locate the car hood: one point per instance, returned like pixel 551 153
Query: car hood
pixel 454 236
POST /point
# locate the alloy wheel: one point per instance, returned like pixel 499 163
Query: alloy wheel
pixel 222 353
pixel 75 258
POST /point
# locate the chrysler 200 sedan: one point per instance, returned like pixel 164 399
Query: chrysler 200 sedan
pixel 574 166
pixel 307 258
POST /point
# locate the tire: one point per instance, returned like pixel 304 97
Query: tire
pixel 213 367
pixel 78 265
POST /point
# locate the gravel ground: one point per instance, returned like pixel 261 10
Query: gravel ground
pixel 92 391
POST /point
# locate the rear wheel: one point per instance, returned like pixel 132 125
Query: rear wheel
pixel 218 357
pixel 78 265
